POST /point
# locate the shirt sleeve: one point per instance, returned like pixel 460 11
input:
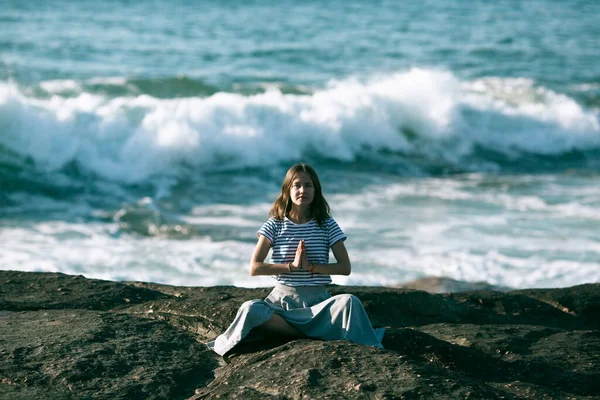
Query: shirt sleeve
pixel 268 230
pixel 334 232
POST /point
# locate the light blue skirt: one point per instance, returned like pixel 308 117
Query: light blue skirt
pixel 311 310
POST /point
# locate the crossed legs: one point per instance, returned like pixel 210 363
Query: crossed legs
pixel 279 326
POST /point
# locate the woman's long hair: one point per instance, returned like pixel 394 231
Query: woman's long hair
pixel 319 209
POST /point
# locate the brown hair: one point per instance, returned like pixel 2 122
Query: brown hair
pixel 319 209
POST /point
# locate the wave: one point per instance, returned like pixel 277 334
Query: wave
pixel 160 88
pixel 417 121
pixel 588 94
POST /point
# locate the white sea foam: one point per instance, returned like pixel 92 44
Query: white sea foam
pixel 92 251
pixel 116 80
pixel 518 231
pixel 393 240
pixel 425 113
pixel 69 86
pixel 60 86
pixel 221 221
pixel 455 191
pixel 497 233
pixel 531 118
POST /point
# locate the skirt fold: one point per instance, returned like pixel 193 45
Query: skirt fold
pixel 311 310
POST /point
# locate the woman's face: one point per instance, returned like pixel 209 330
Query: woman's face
pixel 302 191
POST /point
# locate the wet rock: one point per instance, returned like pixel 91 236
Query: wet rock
pixel 65 337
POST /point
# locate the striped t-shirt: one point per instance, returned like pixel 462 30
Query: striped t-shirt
pixel 285 235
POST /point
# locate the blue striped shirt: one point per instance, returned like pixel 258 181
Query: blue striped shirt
pixel 285 235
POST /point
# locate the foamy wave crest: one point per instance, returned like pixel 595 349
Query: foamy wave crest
pixel 421 117
pixel 516 114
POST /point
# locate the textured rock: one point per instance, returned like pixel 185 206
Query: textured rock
pixel 66 337
pixel 31 291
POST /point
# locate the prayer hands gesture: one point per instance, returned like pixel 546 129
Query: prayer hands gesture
pixel 300 261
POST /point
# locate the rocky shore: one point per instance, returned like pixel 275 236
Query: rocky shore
pixel 68 337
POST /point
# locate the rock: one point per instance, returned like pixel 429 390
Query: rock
pixel 66 337
pixel 99 355
pixel 34 291
pixel 444 285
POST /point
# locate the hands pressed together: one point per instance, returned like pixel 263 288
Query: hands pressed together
pixel 300 261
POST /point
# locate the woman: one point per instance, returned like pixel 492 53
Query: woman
pixel 300 232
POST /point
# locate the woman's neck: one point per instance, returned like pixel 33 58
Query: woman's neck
pixel 299 216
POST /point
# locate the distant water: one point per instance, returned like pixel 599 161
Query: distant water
pixel 147 140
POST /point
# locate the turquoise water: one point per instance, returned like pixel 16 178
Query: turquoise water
pixel 146 140
pixel 233 42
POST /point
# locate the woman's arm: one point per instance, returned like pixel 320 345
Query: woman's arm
pixel 259 267
pixel 341 267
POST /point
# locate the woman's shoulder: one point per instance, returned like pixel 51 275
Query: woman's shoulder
pixel 270 223
pixel 326 223
pixel 331 224
pixel 270 229
pixel 329 220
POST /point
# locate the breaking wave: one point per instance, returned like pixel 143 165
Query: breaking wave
pixel 414 122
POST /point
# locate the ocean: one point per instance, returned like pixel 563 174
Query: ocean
pixel 146 140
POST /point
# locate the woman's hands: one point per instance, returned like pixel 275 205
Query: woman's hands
pixel 300 261
pixel 259 267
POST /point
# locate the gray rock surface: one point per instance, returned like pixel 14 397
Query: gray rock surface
pixel 68 337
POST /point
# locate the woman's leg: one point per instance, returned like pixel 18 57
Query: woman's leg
pixel 349 317
pixel 278 325
pixel 251 315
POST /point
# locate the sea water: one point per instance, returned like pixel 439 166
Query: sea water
pixel 147 140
